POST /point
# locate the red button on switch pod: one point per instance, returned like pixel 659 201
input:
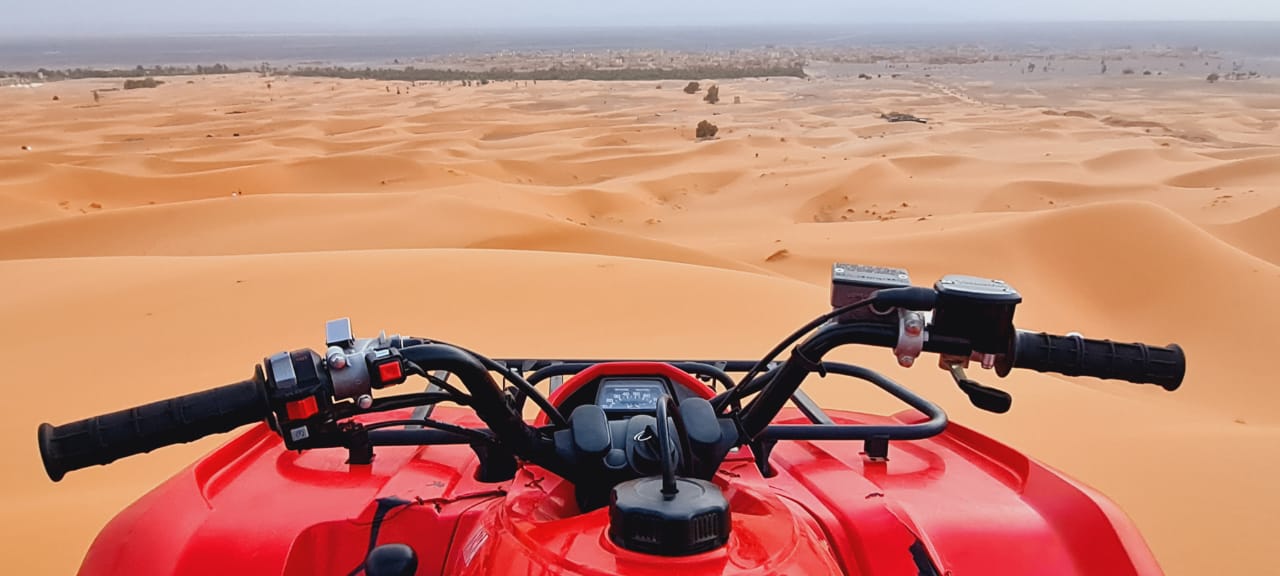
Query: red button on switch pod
pixel 302 409
pixel 390 372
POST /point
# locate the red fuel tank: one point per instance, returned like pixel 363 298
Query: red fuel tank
pixel 537 530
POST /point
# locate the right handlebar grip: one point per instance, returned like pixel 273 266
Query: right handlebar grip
pixel 109 437
pixel 1078 356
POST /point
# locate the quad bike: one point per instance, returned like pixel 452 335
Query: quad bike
pixel 629 467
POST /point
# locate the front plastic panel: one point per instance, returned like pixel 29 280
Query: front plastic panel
pixel 974 505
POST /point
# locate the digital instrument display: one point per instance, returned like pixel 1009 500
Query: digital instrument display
pixel 630 394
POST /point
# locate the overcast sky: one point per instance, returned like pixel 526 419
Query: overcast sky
pixel 40 17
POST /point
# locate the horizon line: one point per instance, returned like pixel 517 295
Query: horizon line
pixel 306 30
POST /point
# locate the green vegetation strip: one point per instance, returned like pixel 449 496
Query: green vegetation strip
pixel 411 74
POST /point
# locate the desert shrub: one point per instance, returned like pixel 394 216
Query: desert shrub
pixel 147 82
pixel 706 130
pixel 692 88
pixel 713 94
pixel 1241 75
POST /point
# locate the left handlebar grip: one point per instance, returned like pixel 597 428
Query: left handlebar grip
pixel 104 439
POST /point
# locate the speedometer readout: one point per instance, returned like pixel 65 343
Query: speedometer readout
pixel 630 395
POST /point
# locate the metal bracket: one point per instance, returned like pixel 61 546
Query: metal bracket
pixel 359 449
pixel 424 412
pixel 946 361
pixel 987 361
pixel 556 380
pixel 876 448
pixel 720 365
pixel 761 449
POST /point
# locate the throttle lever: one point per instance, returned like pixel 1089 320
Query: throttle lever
pixel 982 397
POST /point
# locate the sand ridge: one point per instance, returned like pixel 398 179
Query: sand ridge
pixel 196 227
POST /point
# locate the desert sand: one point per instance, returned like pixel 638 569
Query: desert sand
pixel 165 240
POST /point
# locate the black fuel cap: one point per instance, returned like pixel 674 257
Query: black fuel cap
pixel 642 519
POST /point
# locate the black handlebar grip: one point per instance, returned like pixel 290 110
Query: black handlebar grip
pixel 109 437
pixel 1078 356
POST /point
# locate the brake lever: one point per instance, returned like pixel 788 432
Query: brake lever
pixel 982 397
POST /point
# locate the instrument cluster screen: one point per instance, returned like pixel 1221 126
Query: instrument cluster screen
pixel 630 394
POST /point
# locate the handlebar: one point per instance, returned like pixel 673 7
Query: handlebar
pixel 972 319
pixel 104 439
pixel 1078 356
pixel 1069 355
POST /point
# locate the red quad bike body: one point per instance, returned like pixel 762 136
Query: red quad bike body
pixel 630 467
pixel 973 504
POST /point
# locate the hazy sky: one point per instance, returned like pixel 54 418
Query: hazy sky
pixel 40 17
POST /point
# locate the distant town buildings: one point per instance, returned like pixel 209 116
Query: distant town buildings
pixel 607 60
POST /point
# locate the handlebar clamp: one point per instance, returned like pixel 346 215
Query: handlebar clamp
pixel 349 360
pixel 911 336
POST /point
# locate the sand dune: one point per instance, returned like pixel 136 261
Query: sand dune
pixel 1254 234
pixel 1133 158
pixel 204 224
pixel 1260 171
pixel 272 224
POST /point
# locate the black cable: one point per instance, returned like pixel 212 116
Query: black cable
pixel 343 410
pixel 759 382
pixel 734 394
pixel 552 413
pixel 413 400
pixel 439 382
pixel 436 424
